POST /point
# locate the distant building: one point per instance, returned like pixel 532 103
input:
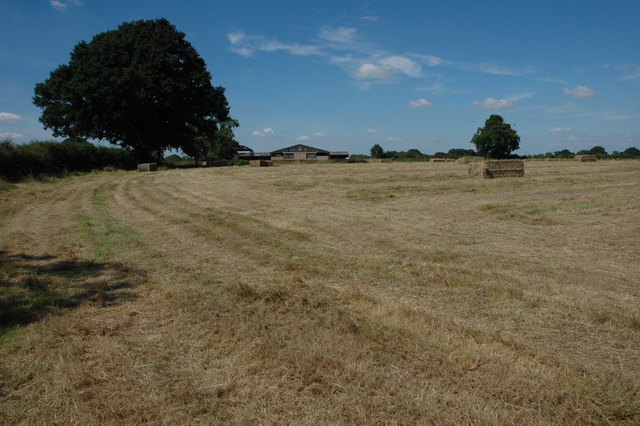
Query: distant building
pixel 293 153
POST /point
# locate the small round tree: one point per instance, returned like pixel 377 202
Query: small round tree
pixel 377 151
pixel 496 139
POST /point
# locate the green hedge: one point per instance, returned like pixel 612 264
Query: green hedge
pixel 39 159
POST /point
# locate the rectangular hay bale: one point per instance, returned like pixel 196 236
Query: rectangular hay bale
pixel 148 167
pixel 470 159
pixel 490 169
pixel 585 158
pixel 260 163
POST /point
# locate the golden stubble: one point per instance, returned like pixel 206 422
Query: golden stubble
pixel 332 293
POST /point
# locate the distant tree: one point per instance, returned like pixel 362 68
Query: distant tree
pixel 496 139
pixel 583 152
pixel 598 150
pixel 141 86
pixel 414 153
pixel 377 151
pixel 459 152
pixel 565 153
pixel 633 151
pixel 221 145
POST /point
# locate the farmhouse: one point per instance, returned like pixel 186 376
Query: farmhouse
pixel 294 153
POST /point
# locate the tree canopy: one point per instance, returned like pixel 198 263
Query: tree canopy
pixel 496 139
pixel 141 86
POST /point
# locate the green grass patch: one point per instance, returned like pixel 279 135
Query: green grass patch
pixel 7 186
pixel 100 229
pixel 294 186
pixel 530 214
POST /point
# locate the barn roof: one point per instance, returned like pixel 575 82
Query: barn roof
pixel 300 148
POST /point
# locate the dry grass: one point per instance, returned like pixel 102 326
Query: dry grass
pixel 332 293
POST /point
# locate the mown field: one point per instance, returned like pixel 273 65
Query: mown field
pixel 323 293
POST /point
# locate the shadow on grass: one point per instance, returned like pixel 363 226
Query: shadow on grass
pixel 33 286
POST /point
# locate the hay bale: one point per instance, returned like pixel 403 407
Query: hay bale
pixel 438 160
pixel 148 167
pixel 490 169
pixel 585 158
pixel 470 159
pixel 260 163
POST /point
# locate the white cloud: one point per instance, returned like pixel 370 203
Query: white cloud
pixel 7 117
pixel 492 103
pixel 11 135
pixel 264 132
pixel 234 38
pixel 420 103
pixel 367 71
pixel 580 92
pixel 520 96
pixel 559 129
pixel 370 18
pixel 393 139
pixel 430 60
pixel 64 4
pixel 245 45
pixel 387 67
pixel 402 64
pixel 372 131
pixel 311 136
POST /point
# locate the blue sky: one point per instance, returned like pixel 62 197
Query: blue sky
pixel 345 75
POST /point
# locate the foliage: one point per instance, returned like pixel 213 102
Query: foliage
pixel 496 139
pixel 459 152
pixel 49 158
pixel 377 151
pixel 412 154
pixel 221 145
pixel 633 151
pixel 141 86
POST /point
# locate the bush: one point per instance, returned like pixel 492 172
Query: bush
pixel 48 158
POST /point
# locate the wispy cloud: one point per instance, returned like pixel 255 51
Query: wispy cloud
pixel 245 45
pixel 7 117
pixel 311 136
pixel 403 65
pixel 420 103
pixel 264 132
pixel 64 4
pixel 613 117
pixel 11 135
pixel 493 103
pixel 494 69
pixel 559 129
pixel 429 60
pixel 370 18
pixel 362 60
pixel 372 71
pixel 372 131
pixel 345 35
pixel 393 139
pixel 579 92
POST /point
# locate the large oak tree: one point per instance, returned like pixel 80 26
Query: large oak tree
pixel 496 139
pixel 141 86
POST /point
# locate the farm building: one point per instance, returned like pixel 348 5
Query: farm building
pixel 294 153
